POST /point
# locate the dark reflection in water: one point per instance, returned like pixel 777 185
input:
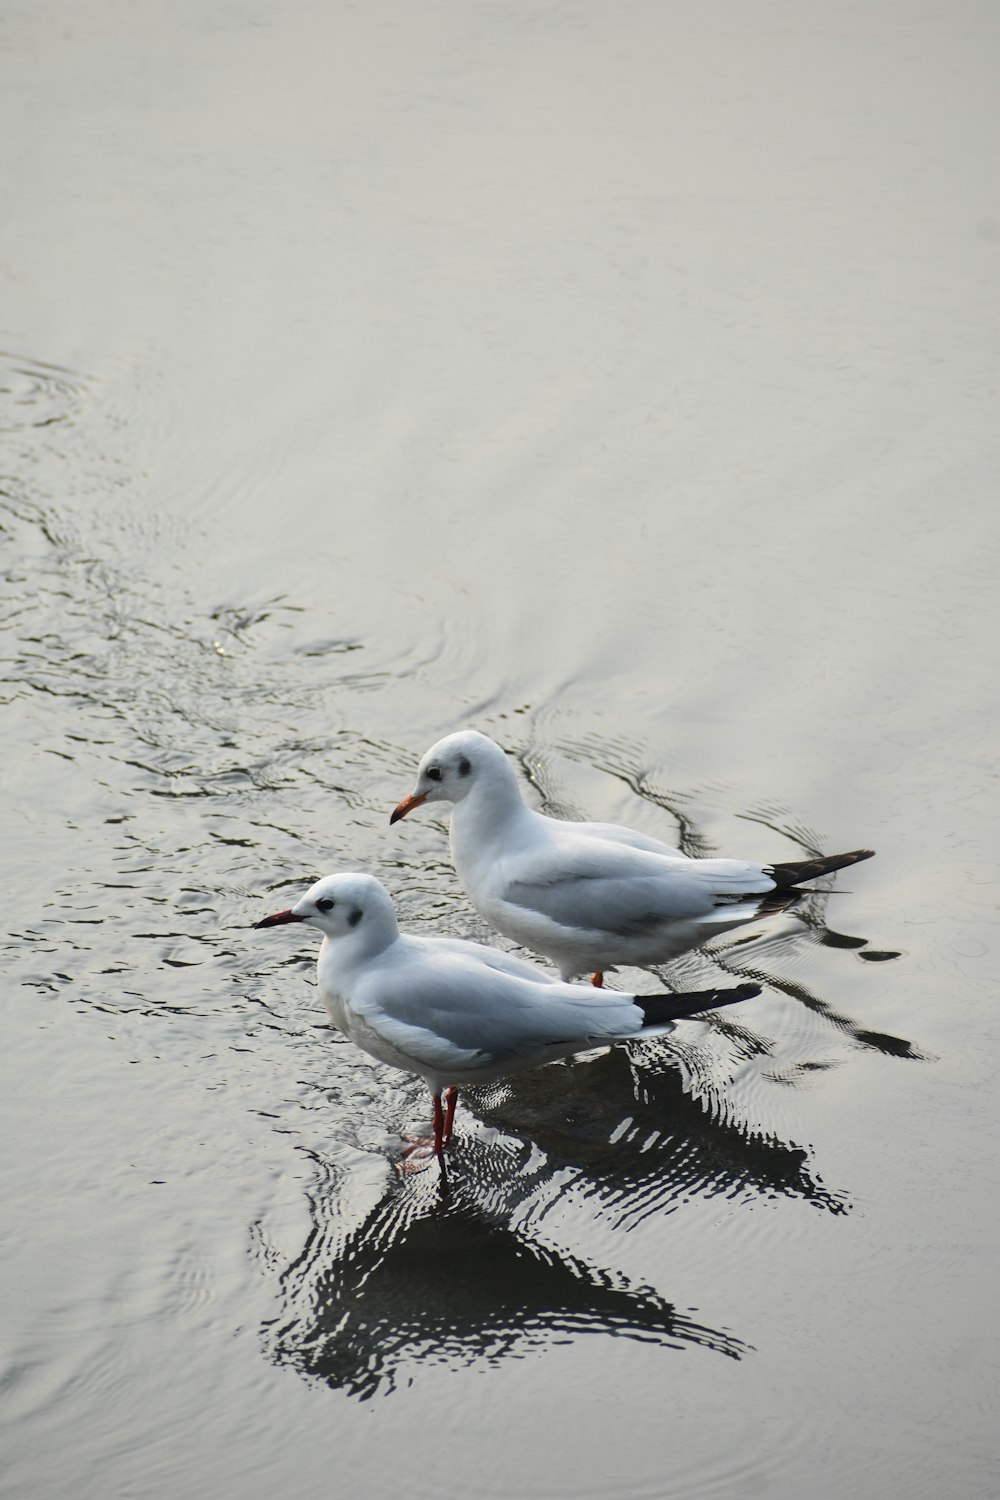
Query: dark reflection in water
pixel 862 1036
pixel 457 1269
pixel 432 1277
pixel 665 1148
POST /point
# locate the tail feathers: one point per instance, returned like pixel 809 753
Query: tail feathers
pixel 727 914
pixel 657 1009
pixel 787 875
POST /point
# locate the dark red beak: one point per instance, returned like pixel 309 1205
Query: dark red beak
pixel 406 806
pixel 278 918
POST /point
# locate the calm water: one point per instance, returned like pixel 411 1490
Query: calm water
pixel 620 381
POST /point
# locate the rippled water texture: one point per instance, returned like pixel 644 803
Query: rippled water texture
pixel 620 381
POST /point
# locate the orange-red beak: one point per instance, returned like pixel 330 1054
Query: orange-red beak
pixel 406 806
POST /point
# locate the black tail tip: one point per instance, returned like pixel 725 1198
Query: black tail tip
pixel 796 872
pixel 841 861
pixel 660 1008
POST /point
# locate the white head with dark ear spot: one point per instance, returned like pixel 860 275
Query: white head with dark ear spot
pixel 346 907
pixel 457 766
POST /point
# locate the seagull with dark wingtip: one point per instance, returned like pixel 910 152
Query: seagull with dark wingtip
pixel 589 896
pixel 457 1013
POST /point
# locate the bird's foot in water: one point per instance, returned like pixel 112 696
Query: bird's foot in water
pixel 419 1151
pixel 417 1154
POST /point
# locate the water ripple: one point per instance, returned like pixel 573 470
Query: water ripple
pixel 35 394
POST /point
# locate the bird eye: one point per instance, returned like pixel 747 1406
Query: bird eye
pixel 434 773
pixel 325 905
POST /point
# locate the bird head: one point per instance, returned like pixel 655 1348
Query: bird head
pixel 453 768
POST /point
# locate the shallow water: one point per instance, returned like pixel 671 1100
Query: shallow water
pixel 621 382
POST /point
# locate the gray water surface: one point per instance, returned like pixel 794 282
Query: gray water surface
pixel 619 380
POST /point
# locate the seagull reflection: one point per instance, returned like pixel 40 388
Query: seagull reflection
pixel 666 1146
pixel 728 959
pixel 433 1276
pixel 484 1264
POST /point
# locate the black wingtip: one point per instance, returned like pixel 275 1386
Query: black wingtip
pixel 795 872
pixel 659 1008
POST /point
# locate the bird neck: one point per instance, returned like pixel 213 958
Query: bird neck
pixel 483 821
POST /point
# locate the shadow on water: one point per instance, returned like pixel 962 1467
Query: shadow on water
pixel 664 1149
pixel 434 1277
pixel 862 1037
pixel 462 1268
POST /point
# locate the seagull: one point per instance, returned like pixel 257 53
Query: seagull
pixel 589 896
pixel 457 1013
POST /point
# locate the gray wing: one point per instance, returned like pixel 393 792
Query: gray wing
pixel 595 886
pixel 630 838
pixel 450 1011
pixel 492 958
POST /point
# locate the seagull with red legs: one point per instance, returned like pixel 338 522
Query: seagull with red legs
pixel 588 896
pixel 457 1013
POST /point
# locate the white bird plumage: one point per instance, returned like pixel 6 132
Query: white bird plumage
pixel 588 896
pixel 455 1012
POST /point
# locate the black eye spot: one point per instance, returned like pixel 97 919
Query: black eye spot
pixel 325 905
pixel 464 767
pixel 434 773
pixel 355 916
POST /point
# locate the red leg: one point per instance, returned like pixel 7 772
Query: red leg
pixel 420 1151
pixel 597 980
pixel 439 1131
pixel 450 1100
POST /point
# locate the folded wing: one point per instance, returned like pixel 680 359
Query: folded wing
pixel 596 886
pixel 451 1011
